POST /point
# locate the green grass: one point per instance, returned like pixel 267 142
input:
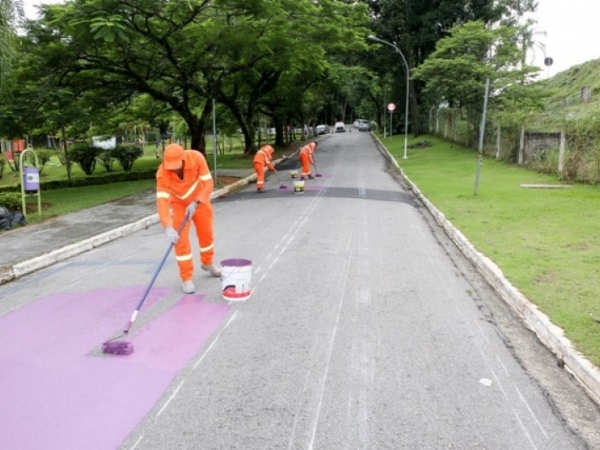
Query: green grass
pixel 63 201
pixel 545 241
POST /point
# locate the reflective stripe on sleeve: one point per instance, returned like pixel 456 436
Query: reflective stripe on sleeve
pixel 206 177
pixel 162 195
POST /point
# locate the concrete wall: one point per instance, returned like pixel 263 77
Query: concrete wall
pixel 539 142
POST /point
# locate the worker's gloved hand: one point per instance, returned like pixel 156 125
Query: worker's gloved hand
pixel 172 235
pixel 191 209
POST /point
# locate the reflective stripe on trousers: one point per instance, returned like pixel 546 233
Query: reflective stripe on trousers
pixel 203 224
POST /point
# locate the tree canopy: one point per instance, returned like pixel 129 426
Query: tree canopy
pixel 183 53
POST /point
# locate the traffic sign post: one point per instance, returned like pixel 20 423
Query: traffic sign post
pixel 391 108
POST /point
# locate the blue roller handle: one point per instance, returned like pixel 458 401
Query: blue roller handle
pixel 156 272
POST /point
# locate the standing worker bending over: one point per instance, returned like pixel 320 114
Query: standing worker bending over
pixel 184 185
pixel 262 161
pixel 306 159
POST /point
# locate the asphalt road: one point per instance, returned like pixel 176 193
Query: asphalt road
pixel 365 330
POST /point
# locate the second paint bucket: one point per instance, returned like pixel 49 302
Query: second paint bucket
pixel 299 187
pixel 236 279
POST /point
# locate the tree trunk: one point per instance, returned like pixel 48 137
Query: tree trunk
pixel 197 127
pixel 414 107
pixel 245 124
pixel 65 149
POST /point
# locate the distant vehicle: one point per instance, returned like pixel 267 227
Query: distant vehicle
pixel 340 127
pixel 364 126
pixel 358 122
pixel 322 129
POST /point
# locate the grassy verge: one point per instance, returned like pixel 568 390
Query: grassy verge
pixel 64 201
pixel 545 241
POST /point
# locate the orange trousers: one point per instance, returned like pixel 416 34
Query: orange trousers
pixel 203 224
pixel 260 175
pixel 305 161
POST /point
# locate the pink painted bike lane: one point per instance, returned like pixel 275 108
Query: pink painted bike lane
pixel 58 392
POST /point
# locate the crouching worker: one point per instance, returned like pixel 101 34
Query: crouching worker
pixel 262 161
pixel 184 185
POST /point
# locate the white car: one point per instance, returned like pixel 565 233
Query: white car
pixel 340 127
pixel 322 129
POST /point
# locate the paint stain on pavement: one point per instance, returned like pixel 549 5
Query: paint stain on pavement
pixel 55 394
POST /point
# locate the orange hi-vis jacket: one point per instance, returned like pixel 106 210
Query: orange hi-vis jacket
pixel 262 159
pixel 306 158
pixel 173 193
pixel 197 185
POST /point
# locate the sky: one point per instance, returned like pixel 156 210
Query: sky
pixel 568 29
pixel 572 33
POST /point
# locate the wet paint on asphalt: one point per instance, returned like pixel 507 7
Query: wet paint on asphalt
pixel 57 391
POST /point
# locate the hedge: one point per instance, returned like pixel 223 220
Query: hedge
pixel 92 180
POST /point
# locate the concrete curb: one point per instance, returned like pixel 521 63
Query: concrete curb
pixel 549 334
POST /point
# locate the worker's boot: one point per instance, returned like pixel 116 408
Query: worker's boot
pixel 188 287
pixel 260 190
pixel 310 177
pixel 212 269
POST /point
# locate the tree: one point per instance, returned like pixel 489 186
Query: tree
pixel 456 72
pixel 184 53
pixel 415 26
pixel 11 16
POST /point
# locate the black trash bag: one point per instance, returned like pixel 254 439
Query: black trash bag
pixel 10 219
pixel 18 219
pixel 5 218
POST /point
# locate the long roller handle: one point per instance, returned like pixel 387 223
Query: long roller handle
pixel 154 276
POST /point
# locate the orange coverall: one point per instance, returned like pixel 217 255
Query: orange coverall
pixel 262 159
pixel 306 159
pixel 176 194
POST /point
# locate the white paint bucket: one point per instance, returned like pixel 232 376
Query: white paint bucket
pixel 293 174
pixel 236 279
pixel 299 187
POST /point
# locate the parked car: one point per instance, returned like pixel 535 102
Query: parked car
pixel 340 127
pixel 357 122
pixel 364 126
pixel 322 129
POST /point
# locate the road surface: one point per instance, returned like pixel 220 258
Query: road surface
pixel 365 330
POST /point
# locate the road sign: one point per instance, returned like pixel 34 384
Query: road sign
pixel 548 61
pixel 391 107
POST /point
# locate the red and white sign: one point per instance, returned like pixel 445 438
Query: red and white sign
pixel 391 107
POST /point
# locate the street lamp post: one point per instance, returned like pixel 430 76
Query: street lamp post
pixel 376 39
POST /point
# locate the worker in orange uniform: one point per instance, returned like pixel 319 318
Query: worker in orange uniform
pixel 306 159
pixel 262 161
pixel 183 186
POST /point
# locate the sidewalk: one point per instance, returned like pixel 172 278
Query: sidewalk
pixel 26 249
pixel 32 247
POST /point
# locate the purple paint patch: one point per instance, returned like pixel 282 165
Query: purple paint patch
pixel 55 395
pixel 236 262
pixel 313 187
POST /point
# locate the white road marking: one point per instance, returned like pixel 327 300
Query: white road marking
pixel 173 395
pixel 532 413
